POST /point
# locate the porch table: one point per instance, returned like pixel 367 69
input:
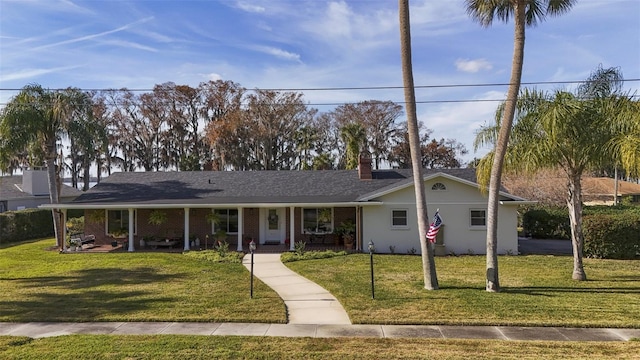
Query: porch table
pixel 154 244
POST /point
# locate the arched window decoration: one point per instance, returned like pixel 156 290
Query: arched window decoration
pixel 438 187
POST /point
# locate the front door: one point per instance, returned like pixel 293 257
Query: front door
pixel 274 225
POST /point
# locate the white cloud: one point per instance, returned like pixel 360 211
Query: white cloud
pixel 94 36
pixel 279 53
pixel 31 73
pixel 246 6
pixel 473 66
pixel 130 44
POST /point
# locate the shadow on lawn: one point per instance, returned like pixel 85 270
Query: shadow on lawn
pixel 550 290
pixel 75 297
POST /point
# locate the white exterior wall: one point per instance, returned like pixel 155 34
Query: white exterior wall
pixel 455 205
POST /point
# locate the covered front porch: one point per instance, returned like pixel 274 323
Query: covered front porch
pixel 274 228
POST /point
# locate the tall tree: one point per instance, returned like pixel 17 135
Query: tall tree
pixel 35 119
pixel 401 151
pixel 378 119
pixel 223 106
pixel 525 13
pixel 442 154
pixel 567 131
pixel 428 261
pixel 85 137
pixel 354 138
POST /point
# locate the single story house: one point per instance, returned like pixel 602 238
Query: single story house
pixel 600 191
pixel 30 190
pixel 284 207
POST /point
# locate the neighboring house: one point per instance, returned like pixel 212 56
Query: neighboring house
pixel 550 187
pixel 283 207
pixel 30 190
pixel 600 190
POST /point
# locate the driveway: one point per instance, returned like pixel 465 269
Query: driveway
pixel 528 246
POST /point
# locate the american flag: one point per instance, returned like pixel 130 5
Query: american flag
pixel 435 227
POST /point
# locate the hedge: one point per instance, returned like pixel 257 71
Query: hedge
pixel 25 225
pixel 547 223
pixel 609 236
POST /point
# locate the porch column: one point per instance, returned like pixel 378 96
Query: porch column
pixel 359 242
pixel 186 229
pixel 292 227
pixel 64 228
pixel 240 228
pixel 131 230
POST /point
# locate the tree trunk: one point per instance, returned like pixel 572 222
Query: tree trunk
pixel 428 263
pixel 54 198
pixel 574 203
pixel 493 283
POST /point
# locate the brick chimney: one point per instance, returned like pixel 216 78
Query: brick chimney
pixel 364 166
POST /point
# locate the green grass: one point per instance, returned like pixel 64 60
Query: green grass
pixel 537 290
pixel 42 285
pixel 237 347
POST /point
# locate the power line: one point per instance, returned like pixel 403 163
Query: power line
pixel 357 87
pixel 404 102
pixel 442 101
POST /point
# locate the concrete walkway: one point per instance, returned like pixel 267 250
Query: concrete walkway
pixel 41 330
pixel 307 302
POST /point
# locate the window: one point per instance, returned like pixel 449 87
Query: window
pixel 478 217
pixel 317 221
pixel 3 206
pixel 399 218
pixel 438 187
pixel 228 220
pixel 118 222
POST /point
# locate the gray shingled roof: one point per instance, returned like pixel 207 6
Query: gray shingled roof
pixel 9 191
pixel 243 187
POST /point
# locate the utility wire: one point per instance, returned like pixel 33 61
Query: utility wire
pixel 377 88
pixel 360 88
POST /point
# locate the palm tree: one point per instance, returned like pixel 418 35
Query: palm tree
pixel 567 131
pixel 35 119
pixel 524 13
pixel 428 262
pixel 354 138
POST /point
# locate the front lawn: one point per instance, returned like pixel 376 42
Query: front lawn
pixel 42 285
pixel 537 290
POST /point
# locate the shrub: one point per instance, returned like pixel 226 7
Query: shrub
pixel 75 225
pixel 610 236
pixel 310 255
pixel 222 248
pixel 214 256
pixel 547 223
pixel 25 225
pixel 299 247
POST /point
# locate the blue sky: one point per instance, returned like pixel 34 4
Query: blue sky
pixel 310 44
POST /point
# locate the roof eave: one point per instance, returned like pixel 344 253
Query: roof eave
pixel 92 206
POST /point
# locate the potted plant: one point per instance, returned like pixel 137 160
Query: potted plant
pixel 221 236
pixel 157 217
pixel 120 233
pixel 347 229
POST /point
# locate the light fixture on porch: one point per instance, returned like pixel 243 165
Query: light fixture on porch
pixel 372 249
pixel 252 249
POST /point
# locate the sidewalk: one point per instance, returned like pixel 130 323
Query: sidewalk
pixel 40 330
pixel 306 301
